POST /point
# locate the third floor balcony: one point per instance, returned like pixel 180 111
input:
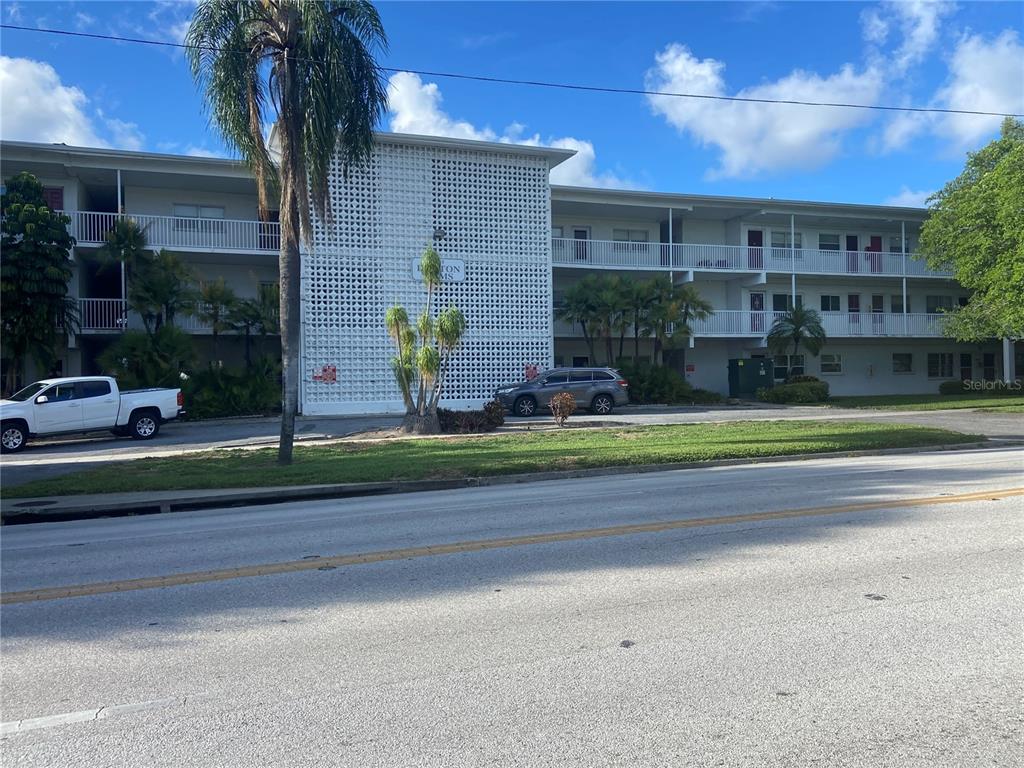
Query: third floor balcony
pixel 663 257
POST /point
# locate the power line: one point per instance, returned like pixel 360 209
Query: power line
pixel 546 84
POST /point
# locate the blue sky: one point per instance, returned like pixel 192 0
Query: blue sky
pixel 966 56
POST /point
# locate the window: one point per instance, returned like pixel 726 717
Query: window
pixel 781 301
pixel 831 363
pixel 93 388
pixel 828 242
pixel 897 304
pixel 788 365
pixel 988 366
pixel 556 232
pixel 625 237
pixel 933 304
pixel 780 239
pixel 602 376
pixel 188 215
pixel 53 197
pixel 940 365
pixel 557 378
pixel 895 244
pixel 829 303
pixel 902 362
pixel 60 393
pixel 580 376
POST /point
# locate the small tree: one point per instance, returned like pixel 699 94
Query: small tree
pixel 579 307
pixel 162 285
pixel 216 302
pixel 245 317
pixel 563 405
pixel 424 353
pixel 35 270
pixel 795 327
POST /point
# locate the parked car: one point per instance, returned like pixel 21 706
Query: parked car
pixel 598 389
pixel 84 404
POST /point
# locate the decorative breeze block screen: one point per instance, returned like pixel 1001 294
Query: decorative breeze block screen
pixel 494 210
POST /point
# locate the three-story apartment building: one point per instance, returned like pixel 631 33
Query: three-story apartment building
pixel 512 246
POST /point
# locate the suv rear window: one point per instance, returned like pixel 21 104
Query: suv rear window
pixel 558 378
pixel 603 376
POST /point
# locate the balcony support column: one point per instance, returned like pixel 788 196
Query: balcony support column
pixel 1009 374
pixel 671 256
pixel 120 210
pixel 792 252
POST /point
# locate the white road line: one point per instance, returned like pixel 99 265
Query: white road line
pixel 86 715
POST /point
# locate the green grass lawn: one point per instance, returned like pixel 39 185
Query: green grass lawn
pixel 1004 403
pixel 437 458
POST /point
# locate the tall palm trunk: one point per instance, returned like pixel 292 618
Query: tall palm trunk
pixel 636 337
pixel 290 266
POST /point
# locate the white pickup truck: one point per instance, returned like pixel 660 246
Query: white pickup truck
pixel 84 404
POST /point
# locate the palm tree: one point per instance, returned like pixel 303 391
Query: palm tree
pixel 794 327
pixel 578 307
pixel 161 286
pixel 689 305
pixel 670 311
pixel 312 64
pixel 638 300
pixel 217 302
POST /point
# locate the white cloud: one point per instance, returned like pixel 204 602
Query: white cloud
pixel 84 20
pixel 194 151
pixel 984 75
pixel 910 198
pixel 920 22
pixel 13 12
pixel 755 138
pixel 416 108
pixel 37 106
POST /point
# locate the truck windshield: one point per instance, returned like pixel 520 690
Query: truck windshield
pixel 28 392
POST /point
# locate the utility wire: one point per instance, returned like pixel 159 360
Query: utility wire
pixel 545 84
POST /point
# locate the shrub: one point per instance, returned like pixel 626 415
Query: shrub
pixel 952 388
pixel 705 397
pixel 562 406
pixel 219 392
pixel 489 418
pixel 656 384
pixel 801 392
pixel 802 379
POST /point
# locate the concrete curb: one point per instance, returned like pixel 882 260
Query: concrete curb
pixel 65 508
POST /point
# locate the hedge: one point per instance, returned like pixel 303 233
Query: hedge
pixel 800 392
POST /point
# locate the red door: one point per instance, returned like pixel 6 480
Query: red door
pixel 755 249
pixel 875 259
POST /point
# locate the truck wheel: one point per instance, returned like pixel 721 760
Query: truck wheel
pixel 144 425
pixel 12 437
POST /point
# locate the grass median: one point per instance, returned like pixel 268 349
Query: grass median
pixel 997 403
pixel 458 457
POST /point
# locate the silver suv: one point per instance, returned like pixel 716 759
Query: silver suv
pixel 599 389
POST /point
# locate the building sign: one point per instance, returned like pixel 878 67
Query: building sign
pixel 452 270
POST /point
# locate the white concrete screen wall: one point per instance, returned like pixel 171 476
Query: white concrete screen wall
pixel 488 209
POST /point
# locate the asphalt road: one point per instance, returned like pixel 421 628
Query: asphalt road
pixel 865 637
pixel 43 459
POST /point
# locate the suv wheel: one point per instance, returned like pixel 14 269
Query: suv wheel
pixel 525 406
pixel 602 405
pixel 12 438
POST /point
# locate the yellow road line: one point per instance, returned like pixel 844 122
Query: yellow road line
pixel 269 569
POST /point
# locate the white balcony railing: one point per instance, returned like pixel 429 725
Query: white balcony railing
pixel 114 315
pixel 611 254
pixel 90 228
pixel 103 314
pixel 731 323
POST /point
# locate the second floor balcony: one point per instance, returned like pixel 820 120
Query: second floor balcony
pixel 838 325
pixel 179 233
pixel 663 257
pixel 113 316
